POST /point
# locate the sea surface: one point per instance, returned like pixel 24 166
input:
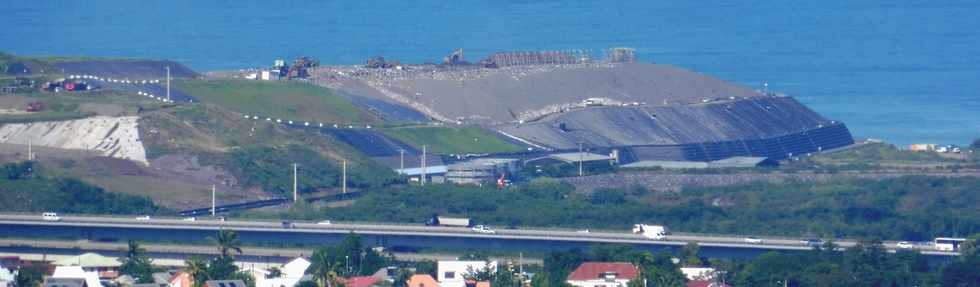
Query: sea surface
pixel 906 71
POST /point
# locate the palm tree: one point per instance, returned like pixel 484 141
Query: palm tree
pixel 323 267
pixel 227 240
pixel 197 268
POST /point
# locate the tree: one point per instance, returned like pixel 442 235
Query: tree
pixel 136 263
pixel 227 240
pixel 426 266
pixel 689 255
pixel 975 144
pixel 965 271
pixel 29 276
pixel 324 266
pixel 197 268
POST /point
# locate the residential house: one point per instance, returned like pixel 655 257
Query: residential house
pixel 225 283
pixel 455 273
pixel 698 273
pixel 421 280
pixel 474 283
pixel 291 274
pixel 64 282
pixel 361 281
pixel 181 279
pixel 76 272
pixel 7 277
pixel 106 267
pixel 603 274
pixel 706 283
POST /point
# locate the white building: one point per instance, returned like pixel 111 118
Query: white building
pixel 292 273
pixel 454 273
pixel 76 272
pixel 603 274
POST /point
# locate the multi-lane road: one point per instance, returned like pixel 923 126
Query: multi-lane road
pixel 502 236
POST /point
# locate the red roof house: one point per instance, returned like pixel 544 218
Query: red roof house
pixel 603 274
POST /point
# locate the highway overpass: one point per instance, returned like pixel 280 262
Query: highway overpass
pixel 268 233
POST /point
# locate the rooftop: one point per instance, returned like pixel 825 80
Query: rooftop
pixel 573 157
pixel 598 270
pixel 89 260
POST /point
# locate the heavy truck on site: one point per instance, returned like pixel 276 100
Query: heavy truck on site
pixel 437 220
pixel 657 232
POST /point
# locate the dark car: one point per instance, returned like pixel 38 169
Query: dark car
pixel 287 224
pixel 812 242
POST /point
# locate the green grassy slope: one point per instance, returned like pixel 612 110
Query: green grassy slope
pixel 286 100
pixel 450 140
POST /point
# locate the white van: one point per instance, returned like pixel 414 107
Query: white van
pixel 50 216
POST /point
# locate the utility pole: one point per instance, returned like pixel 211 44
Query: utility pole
pixel 168 83
pixel 581 158
pixel 344 178
pixel 30 150
pixel 422 179
pixel 401 169
pixel 295 191
pixel 213 201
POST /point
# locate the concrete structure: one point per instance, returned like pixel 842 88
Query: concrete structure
pixel 455 273
pixel 603 274
pixel 106 267
pixel 291 274
pixel 732 162
pixel 76 272
pixel 481 171
pixel 421 280
pixel 64 282
pixel 116 137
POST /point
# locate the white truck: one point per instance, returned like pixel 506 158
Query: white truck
pixel 657 232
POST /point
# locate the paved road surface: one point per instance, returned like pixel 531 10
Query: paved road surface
pixel 679 239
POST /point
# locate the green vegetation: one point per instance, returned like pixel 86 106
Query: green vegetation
pixel 906 208
pixel 45 116
pixel 275 99
pixel 879 155
pixel 27 190
pixel 271 168
pixel 451 140
pixel 221 267
pixel 137 264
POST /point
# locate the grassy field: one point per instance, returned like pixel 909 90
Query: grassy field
pixel 449 140
pixel 886 155
pixel 286 100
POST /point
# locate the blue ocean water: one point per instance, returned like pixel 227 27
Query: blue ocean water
pixel 901 70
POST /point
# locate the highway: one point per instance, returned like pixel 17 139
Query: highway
pixel 438 233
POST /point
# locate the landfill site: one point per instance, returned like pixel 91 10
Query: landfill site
pixel 615 105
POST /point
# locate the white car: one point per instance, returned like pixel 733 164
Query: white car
pixel 190 218
pixel 50 216
pixel 583 231
pixel 904 245
pixel 753 240
pixel 483 229
pixel 144 217
pixel 325 222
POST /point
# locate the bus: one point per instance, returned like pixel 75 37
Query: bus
pixel 948 244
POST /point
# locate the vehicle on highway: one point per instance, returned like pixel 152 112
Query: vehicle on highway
pixel 191 219
pixel 651 231
pixel 483 229
pixel 50 216
pixel 287 224
pixel 753 240
pixel 221 218
pixel 812 242
pixel 144 217
pixel 904 245
pixel 325 222
pixel 583 231
pixel 437 220
pixel 948 244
